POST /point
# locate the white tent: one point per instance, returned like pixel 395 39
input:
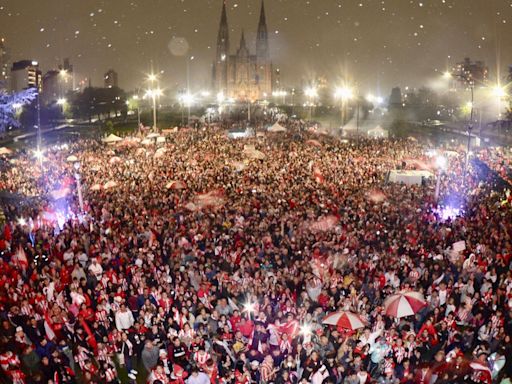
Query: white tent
pixel 408 177
pixel 378 133
pixel 277 128
pixel 112 139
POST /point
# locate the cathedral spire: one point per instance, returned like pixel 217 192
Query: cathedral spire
pixel 242 40
pixel 223 36
pixel 262 39
pixel 263 20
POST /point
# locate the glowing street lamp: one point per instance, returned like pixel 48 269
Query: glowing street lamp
pixel 61 101
pixel 344 93
pixel 447 75
pixel 152 77
pixel 499 91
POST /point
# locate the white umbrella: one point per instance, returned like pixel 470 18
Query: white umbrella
pixel 112 139
pixel 72 159
pixel 110 184
pixel 152 135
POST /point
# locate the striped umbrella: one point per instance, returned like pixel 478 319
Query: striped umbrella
pixel 344 319
pixel 404 304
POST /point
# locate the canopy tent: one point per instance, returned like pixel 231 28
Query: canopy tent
pixel 5 151
pixel 112 139
pixel 378 133
pixel 276 128
pixel 408 177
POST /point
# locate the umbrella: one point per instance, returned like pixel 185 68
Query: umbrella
pixel 71 159
pixel 5 151
pixel 110 184
pixel 176 185
pixel 114 160
pixel 376 196
pixel 315 143
pixel 112 139
pixel 160 153
pixel 404 304
pixel 152 135
pixel 344 319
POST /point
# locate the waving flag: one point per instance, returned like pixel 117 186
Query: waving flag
pixel 318 175
pixel 324 224
pixel 20 258
pixel 48 327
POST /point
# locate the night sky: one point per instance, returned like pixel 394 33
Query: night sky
pixel 377 43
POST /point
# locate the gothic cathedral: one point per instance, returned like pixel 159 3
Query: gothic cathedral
pixel 243 76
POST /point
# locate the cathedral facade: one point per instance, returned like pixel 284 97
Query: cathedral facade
pixel 243 76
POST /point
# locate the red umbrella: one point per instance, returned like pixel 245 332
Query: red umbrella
pixel 404 304
pixel 345 319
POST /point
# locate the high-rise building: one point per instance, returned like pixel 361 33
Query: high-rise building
pixel 471 73
pixel 25 74
pixel 243 75
pixel 51 87
pixel 57 83
pixel 4 65
pixel 67 78
pixel 110 79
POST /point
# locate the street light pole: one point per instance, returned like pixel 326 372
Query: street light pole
pixel 154 110
pixel 470 129
pixel 79 187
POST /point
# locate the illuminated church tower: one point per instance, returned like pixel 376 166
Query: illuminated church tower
pixel 243 76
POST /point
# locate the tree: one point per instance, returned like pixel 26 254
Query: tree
pixel 100 102
pixel 10 104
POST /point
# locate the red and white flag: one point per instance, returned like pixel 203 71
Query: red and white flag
pixel 48 327
pixel 20 258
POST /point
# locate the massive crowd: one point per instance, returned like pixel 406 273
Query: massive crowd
pixel 207 260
